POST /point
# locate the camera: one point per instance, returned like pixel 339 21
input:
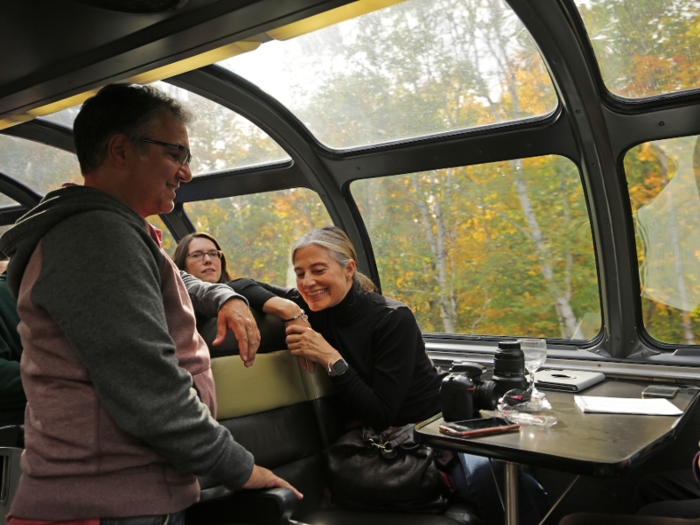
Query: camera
pixel 463 392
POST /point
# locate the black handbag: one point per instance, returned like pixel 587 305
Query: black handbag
pixel 385 471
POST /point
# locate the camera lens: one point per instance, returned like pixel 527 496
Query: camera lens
pixel 509 367
pixel 485 396
pixel 509 360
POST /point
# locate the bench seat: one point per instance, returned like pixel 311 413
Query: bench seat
pixel 286 417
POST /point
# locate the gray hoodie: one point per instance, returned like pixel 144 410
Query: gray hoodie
pixel 120 392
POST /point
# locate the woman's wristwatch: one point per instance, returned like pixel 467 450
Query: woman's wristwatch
pixel 338 368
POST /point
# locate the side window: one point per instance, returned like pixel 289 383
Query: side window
pixel 42 168
pixel 662 180
pixel 257 231
pixel 495 249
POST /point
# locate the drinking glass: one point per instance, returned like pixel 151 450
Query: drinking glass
pixel 535 351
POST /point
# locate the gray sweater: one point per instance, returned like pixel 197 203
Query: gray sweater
pixel 120 392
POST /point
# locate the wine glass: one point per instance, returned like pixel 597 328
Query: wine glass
pixel 535 351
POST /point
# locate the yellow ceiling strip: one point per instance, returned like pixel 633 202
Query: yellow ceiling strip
pixel 62 104
pixel 329 18
pixel 189 64
pixel 14 120
pixel 47 109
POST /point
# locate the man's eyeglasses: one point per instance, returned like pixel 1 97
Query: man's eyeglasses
pixel 198 256
pixel 185 156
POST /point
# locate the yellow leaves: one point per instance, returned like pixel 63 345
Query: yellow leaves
pixel 645 154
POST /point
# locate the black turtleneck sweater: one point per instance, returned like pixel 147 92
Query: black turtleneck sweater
pixel 391 381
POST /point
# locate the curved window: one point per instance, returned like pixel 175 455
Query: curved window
pixel 43 168
pixel 417 68
pixel 645 48
pixel 257 231
pixel 663 178
pixel 494 249
pixel 220 139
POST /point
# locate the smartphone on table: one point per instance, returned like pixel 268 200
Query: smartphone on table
pixel 478 427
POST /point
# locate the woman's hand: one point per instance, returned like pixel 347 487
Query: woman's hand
pixel 286 309
pixel 306 343
pixel 303 323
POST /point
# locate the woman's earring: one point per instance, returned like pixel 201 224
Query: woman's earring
pixel 349 277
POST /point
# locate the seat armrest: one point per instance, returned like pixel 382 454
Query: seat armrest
pixel 12 436
pixel 10 473
pixel 219 505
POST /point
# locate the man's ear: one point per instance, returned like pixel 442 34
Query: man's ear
pixel 119 149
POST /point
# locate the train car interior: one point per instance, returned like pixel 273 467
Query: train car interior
pixel 506 168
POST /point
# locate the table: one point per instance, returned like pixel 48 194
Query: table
pixel 583 444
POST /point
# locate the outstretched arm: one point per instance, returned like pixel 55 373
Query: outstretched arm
pixel 285 303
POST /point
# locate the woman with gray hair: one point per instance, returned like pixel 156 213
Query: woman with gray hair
pixel 370 345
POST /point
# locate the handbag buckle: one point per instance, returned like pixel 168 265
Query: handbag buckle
pixel 386 446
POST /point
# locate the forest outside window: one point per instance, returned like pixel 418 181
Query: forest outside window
pixel 416 68
pixel 256 232
pixel 662 180
pixel 645 48
pixel 495 249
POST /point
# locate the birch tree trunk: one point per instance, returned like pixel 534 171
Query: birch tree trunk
pixel 437 243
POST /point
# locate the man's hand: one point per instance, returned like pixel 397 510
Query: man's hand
pixel 236 315
pixel 261 478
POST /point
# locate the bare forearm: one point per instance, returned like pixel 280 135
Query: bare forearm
pixel 282 308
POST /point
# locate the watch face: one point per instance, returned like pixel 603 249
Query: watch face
pixel 340 366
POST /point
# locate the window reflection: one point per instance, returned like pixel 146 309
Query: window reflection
pixel 662 178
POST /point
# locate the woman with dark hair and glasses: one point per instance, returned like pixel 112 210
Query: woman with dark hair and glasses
pixel 200 254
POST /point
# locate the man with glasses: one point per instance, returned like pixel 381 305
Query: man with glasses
pixel 120 393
